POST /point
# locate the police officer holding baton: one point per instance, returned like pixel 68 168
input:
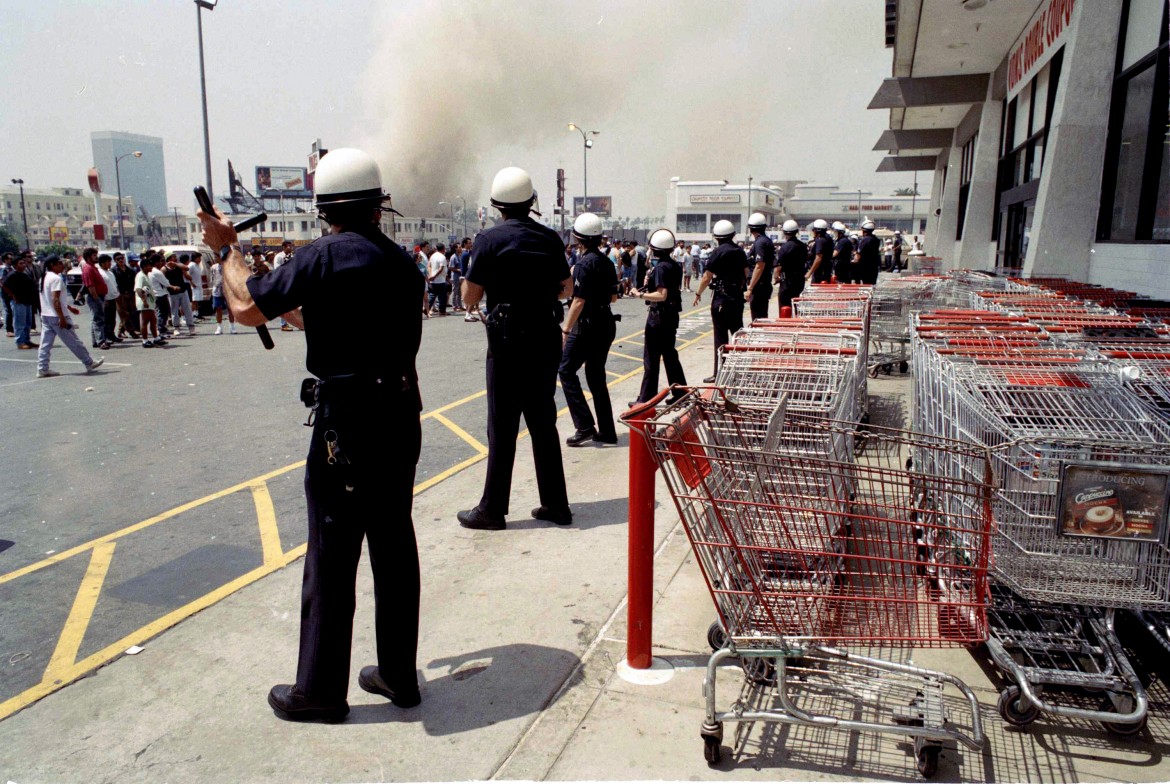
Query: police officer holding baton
pixel 359 475
pixel 589 331
pixel 520 266
pixel 726 274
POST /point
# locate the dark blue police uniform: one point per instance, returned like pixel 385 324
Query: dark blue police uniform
pixel 823 247
pixel 763 249
pixel 662 328
pixel 595 283
pixel 728 266
pixel 520 264
pixel 792 261
pixel 843 268
pixel 360 484
pixel 869 248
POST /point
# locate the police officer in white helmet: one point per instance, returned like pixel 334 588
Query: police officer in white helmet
pixel 726 274
pixel 363 400
pixel 519 265
pixel 589 330
pixel 867 259
pixel 663 296
pixel 842 254
pixel 822 253
pixel 790 264
pixel 763 257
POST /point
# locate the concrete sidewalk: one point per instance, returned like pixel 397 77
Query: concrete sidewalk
pixel 522 632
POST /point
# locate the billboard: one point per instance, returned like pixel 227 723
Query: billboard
pixel 601 206
pixel 276 181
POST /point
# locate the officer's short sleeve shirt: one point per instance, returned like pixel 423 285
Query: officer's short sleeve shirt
pixel 728 263
pixel 823 247
pixel 594 280
pixel 519 262
pixel 763 249
pixel 667 274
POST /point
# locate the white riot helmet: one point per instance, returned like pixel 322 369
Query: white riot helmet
pixel 867 226
pixel 790 227
pixel 347 175
pixel 663 240
pixel 723 229
pixel 820 224
pixel 757 221
pixel 511 188
pixel 587 227
pixel 838 226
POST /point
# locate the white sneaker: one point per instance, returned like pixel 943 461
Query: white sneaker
pixel 218 330
pixel 232 329
pixel 47 373
pixel 97 363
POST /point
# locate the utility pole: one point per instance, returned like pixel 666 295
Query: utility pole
pixel 23 215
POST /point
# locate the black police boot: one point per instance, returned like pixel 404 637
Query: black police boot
pixel 580 437
pixel 289 704
pixel 371 680
pixel 558 516
pixel 709 380
pixel 480 520
pixel 605 438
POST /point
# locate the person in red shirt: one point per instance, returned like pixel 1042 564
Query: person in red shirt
pixel 95 286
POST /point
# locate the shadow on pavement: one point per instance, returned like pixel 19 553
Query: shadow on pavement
pixel 481 688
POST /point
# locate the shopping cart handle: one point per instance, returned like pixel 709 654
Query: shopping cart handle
pixel 640 410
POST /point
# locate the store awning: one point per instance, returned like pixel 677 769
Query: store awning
pixel 919 139
pixel 909 92
pixel 908 163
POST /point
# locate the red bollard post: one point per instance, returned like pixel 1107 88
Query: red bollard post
pixel 786 311
pixel 640 608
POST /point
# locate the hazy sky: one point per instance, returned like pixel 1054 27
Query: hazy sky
pixel 444 93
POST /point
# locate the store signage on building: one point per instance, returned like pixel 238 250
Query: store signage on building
pixel 58 234
pixel 875 208
pixel 722 198
pixel 1042 36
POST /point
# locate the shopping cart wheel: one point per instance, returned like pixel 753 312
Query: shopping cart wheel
pixel 759 670
pixel 1121 730
pixel 716 637
pixel 712 741
pixel 903 367
pixel 928 760
pixel 1011 710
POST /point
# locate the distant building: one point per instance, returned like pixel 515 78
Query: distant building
pixel 64 215
pixel 694 207
pixel 907 214
pixel 143 178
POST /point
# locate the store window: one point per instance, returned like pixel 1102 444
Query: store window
pixel 1135 198
pixel 692 224
pixel 966 167
pixel 733 217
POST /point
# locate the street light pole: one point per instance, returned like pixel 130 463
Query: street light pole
pixel 23 215
pixel 749 207
pixel 585 164
pixel 118 179
pixel 199 6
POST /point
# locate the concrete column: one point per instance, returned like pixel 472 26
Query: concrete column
pixel 930 236
pixel 948 221
pixel 977 248
pixel 1067 203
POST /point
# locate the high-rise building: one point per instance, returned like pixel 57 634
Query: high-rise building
pixel 143 178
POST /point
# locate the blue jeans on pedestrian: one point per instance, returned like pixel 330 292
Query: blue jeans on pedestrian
pixel 97 308
pixel 51 330
pixel 22 316
pixel 8 303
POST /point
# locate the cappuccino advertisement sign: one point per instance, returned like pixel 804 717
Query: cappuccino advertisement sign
pixel 1113 502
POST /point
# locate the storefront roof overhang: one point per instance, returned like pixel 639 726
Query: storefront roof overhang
pixel 914 92
pixel 918 140
pixel 906 163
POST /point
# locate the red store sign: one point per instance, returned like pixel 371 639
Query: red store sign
pixel 1042 36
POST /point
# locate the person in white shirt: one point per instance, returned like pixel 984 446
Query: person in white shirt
pixel 55 321
pixel 285 255
pixel 196 272
pixel 110 305
pixel 162 294
pixel 437 278
pixel 219 301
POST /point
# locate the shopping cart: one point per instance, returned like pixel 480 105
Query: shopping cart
pixel 806 558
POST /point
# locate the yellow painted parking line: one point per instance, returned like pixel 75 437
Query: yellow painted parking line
pixel 456 404
pixel 630 340
pixel 266 519
pixel 609 372
pixel 65 555
pixel 625 356
pixel 454 428
pixel 65 654
pixel 450 472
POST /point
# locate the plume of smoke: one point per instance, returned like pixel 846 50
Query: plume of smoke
pixel 459 89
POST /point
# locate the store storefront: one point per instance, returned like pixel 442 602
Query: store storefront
pixel 694 207
pixel 906 214
pixel 1044 127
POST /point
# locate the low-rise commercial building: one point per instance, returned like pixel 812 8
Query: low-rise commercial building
pixel 63 215
pixel 694 207
pixel 906 214
pixel 1043 125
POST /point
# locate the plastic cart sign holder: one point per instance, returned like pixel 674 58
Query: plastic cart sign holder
pixel 1111 501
